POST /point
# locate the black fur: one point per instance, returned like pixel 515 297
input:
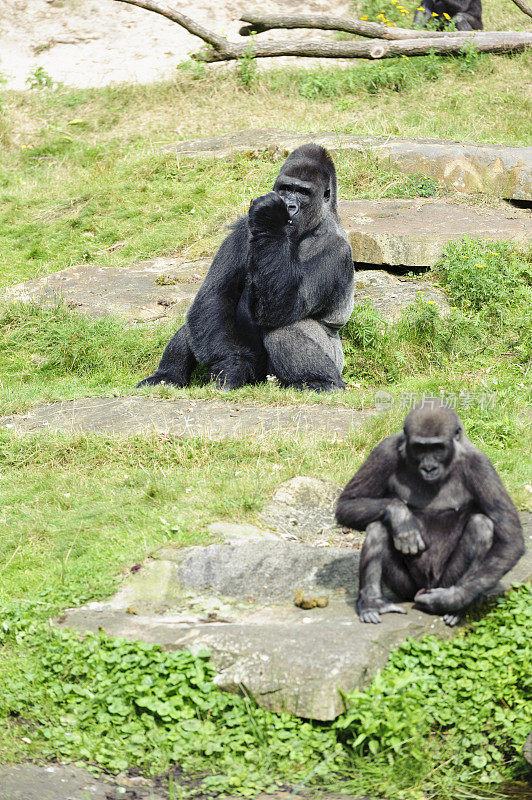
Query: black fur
pixel 440 527
pixel 277 291
pixel 467 14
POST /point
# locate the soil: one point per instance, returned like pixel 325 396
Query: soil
pixel 99 42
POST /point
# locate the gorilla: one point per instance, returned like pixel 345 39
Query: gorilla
pixel 440 528
pixel 467 14
pixel 277 292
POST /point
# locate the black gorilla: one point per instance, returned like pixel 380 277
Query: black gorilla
pixel 277 292
pixel 440 527
pixel 467 14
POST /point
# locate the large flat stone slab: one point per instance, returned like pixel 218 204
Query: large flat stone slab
pixel 465 166
pixel 145 292
pixel 415 232
pixel 410 233
pixel 68 782
pixel 211 418
pixel 236 598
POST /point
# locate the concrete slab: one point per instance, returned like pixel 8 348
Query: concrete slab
pixel 66 782
pixel 145 292
pixel 415 232
pixel 468 167
pixel 214 419
pixel 390 295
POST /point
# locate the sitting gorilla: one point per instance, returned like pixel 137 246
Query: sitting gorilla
pixel 277 292
pixel 467 14
pixel 440 527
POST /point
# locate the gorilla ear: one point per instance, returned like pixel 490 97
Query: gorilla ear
pixel 458 432
pixel 327 193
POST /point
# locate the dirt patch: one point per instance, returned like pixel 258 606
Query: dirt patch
pixel 100 42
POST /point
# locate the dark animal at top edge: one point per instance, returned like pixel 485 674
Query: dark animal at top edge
pixel 466 14
pixel 440 527
pixel 277 292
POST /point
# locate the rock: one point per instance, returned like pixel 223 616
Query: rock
pixel 415 232
pixel 212 418
pixel 145 292
pixel 303 507
pixel 233 533
pixel 385 232
pixel 527 749
pixel 390 295
pixel 236 600
pixel 465 166
pixel 60 782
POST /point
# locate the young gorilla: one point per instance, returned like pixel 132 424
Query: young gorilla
pixel 467 14
pixel 277 292
pixel 440 527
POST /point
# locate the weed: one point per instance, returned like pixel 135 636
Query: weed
pixel 482 274
pixel 39 79
pixel 246 69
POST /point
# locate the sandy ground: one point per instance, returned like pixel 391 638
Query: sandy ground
pixel 98 42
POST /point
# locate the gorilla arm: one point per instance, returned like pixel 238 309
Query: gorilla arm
pixel 286 287
pixel 493 501
pixel 364 499
pixel 212 323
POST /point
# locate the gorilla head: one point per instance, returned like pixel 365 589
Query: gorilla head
pixel 307 185
pixel 430 437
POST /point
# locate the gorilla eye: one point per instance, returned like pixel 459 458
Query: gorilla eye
pixel 327 194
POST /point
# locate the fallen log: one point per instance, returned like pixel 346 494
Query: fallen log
pixel 258 23
pixel 224 50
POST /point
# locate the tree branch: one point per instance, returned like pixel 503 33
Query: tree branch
pixel 218 42
pixel 525 8
pixel 499 42
pixel 327 22
pixel 224 50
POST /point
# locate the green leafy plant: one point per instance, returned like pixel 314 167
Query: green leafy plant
pixel 482 274
pixel 39 79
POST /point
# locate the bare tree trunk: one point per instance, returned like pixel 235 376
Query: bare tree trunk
pixel 525 8
pixel 224 50
pixel 265 22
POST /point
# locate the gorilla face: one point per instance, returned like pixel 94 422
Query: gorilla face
pixel 307 185
pixel 307 203
pixel 430 436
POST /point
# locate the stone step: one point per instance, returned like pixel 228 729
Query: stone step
pixel 414 232
pixel 236 597
pixel 467 167
pixel 391 232
pixel 215 419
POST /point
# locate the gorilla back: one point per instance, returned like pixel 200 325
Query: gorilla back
pixel 277 292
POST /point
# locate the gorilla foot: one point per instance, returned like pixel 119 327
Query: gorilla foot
pixel 371 610
pixel 323 386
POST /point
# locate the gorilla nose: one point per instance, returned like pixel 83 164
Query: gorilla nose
pixel 292 207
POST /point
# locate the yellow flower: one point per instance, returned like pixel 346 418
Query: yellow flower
pixel 403 56
pixel 420 8
pixel 434 14
pixel 364 16
pixel 446 15
pixel 430 302
pixel 480 266
pixel 453 308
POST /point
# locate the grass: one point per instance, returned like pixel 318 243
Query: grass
pixel 83 179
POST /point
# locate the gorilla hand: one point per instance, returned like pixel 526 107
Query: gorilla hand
pixel 405 529
pixel 442 601
pixel 268 213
